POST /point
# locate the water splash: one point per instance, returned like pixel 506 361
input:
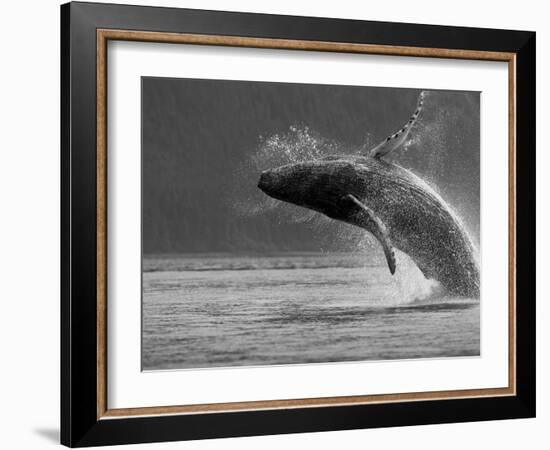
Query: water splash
pixel 296 145
pixel 410 283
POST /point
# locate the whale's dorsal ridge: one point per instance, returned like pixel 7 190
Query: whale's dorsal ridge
pixel 366 219
pixel 397 139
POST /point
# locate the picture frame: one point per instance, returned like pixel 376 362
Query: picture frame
pixel 86 418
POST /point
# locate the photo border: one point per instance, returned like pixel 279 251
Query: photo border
pixel 106 35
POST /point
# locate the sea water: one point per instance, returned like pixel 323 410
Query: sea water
pixel 203 311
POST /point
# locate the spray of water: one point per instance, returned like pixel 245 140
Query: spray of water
pixel 409 282
pixel 431 136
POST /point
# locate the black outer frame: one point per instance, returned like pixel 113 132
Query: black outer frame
pixel 79 423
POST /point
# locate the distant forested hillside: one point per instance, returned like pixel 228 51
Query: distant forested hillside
pixel 201 155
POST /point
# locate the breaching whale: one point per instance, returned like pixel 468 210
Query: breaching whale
pixel 396 206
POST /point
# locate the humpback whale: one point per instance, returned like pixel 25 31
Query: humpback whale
pixel 393 204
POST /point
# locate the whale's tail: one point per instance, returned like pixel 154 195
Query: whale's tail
pixel 395 140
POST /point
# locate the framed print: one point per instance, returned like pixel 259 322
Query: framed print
pixel 276 224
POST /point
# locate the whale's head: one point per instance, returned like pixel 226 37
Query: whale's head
pixel 318 185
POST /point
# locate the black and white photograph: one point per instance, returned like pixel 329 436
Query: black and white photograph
pixel 275 225
pixel 292 223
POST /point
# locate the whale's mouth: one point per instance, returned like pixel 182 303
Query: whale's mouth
pixel 267 181
pixel 280 183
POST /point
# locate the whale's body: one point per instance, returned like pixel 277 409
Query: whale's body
pixel 395 205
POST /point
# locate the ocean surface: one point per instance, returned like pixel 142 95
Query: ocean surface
pixel 203 311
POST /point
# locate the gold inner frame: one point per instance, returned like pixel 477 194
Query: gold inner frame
pixel 104 35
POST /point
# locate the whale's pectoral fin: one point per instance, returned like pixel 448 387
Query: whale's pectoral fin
pixel 397 139
pixel 371 222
